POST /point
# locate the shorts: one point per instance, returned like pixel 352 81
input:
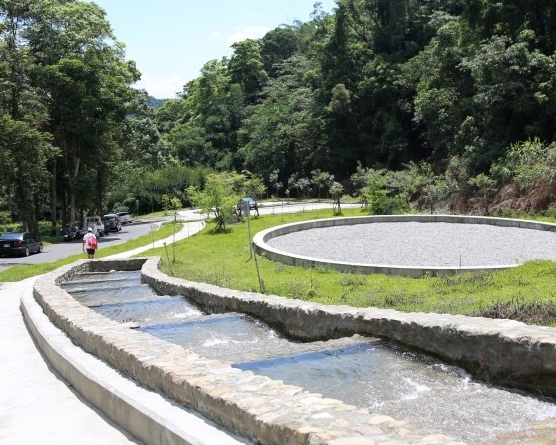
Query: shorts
pixel 90 251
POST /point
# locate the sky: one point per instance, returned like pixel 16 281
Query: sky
pixel 170 40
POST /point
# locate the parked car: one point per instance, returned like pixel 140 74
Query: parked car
pixel 106 226
pixel 71 233
pixel 19 243
pixel 113 222
pixel 250 202
pixel 95 223
pixel 125 217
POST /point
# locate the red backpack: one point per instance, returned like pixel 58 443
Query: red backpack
pixel 92 242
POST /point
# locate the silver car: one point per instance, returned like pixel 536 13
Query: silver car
pixel 125 217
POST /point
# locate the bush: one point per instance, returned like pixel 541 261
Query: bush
pixel 12 227
pixel 382 204
pixel 551 211
pixel 5 217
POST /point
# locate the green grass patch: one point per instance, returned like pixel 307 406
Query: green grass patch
pixel 156 214
pixel 18 273
pixel 526 293
pixel 46 240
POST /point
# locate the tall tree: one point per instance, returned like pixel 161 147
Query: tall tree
pixel 86 82
pixel 247 68
pixel 25 148
pixel 285 131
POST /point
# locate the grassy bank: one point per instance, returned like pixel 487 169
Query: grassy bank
pixel 526 293
pixel 18 273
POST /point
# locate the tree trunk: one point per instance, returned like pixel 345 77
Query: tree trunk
pixel 99 193
pixel 64 206
pixel 53 200
pixel 27 209
pixel 71 206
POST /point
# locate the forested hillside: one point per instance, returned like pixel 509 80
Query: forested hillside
pixel 441 104
pixel 458 94
pixel 155 103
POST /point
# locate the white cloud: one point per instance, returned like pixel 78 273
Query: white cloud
pixel 216 35
pixel 247 32
pixel 162 87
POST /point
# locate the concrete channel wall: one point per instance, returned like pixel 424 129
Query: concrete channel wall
pixel 270 412
pixel 263 248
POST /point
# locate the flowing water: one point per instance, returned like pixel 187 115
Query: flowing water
pixel 361 371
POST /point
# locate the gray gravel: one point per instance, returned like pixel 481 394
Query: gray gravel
pixel 421 244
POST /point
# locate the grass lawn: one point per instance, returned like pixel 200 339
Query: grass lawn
pixel 526 293
pixel 18 273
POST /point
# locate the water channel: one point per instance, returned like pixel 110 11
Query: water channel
pixel 362 371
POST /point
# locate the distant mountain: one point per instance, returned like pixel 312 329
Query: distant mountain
pixel 156 103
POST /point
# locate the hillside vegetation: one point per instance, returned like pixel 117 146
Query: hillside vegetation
pixel 432 104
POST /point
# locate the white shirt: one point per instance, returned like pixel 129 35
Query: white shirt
pixel 86 238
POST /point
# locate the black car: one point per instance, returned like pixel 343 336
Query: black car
pixel 112 222
pixel 250 202
pixel 19 243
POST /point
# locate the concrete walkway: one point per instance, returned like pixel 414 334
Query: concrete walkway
pixel 37 406
pixel 189 228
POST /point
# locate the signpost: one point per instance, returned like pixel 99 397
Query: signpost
pixel 246 210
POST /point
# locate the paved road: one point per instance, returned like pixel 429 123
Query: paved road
pixel 53 252
pixel 138 228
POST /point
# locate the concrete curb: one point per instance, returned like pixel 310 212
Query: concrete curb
pixel 257 407
pixel 263 248
pixel 147 415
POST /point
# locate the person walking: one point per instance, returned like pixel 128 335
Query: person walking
pixel 90 241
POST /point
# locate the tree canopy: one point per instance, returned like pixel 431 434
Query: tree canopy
pixel 382 83
pixel 444 96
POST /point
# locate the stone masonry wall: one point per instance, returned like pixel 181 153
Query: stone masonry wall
pixel 270 412
pixel 264 410
pixel 505 352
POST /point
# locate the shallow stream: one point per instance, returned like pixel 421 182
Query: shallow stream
pixel 361 371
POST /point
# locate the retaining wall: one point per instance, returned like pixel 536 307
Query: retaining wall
pixel 262 248
pixel 268 411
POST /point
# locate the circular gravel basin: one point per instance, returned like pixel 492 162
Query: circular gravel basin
pixel 428 244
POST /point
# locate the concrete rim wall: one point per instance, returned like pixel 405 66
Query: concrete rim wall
pixel 262 248
pixel 261 409
pixel 270 412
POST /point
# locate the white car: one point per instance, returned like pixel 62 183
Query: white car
pixel 95 223
pixel 125 217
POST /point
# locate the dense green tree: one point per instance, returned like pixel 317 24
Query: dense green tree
pixel 512 86
pixel 443 89
pixel 285 132
pixel 24 148
pixel 511 18
pixel 85 81
pixel 278 45
pixel 247 68
pixel 208 118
